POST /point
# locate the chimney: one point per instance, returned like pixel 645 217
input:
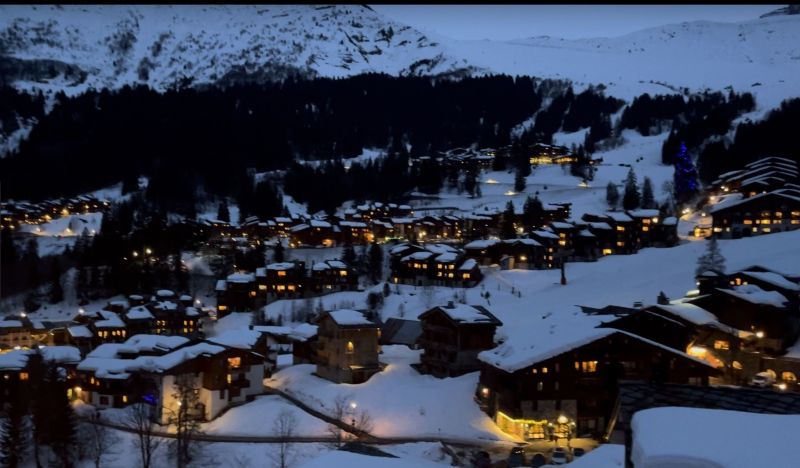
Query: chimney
pixel 450 304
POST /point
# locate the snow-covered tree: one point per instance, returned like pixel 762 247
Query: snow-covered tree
pixel 648 199
pixel 711 260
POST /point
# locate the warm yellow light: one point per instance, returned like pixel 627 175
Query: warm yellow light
pixel 562 419
pixel 148 251
pixel 760 334
pixel 697 351
pixel 491 181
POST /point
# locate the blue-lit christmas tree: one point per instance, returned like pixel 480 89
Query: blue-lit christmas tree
pixel 685 177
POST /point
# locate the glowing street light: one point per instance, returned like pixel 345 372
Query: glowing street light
pixel 148 251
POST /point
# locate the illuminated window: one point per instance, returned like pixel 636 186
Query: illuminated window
pixel 350 349
pixel 534 371
pixel 620 244
pixel 645 228
pixel 23 376
pixel 252 294
pixel 620 228
pixel 586 366
pixel 451 267
pixel 124 398
pixel 234 362
pixel 222 307
pixel 788 376
pixel 230 378
pixel 281 273
pixel 748 221
pixel 645 221
pixel 439 274
pixel 544 370
pixel 721 344
pixel 342 272
pixel 562 242
pixel 449 275
pixel 766 229
pixel 281 287
pixel 607 252
pixel 539 386
pixel 466 275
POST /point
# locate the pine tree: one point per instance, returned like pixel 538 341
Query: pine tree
pixel 56 291
pixel 279 254
pixel 612 195
pixel 14 430
pixel 223 213
pixel 533 213
pixel 507 230
pixel 62 418
pixel 375 262
pixel 712 260
pixel 519 181
pixel 470 182
pixel 685 176
pixel 648 199
pixel 349 254
pixel 631 198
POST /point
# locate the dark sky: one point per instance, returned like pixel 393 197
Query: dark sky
pixel 503 22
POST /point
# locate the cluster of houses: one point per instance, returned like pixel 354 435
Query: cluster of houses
pixel 14 214
pixel 595 236
pixel 761 198
pixel 164 313
pixel 249 291
pixel 433 265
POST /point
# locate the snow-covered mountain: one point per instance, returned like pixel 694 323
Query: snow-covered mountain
pixel 75 47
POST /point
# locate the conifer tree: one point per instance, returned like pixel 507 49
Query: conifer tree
pixel 223 213
pixel 533 212
pixel 279 253
pixel 519 181
pixel 685 175
pixel 375 262
pixel 56 291
pixel 631 197
pixel 712 260
pixel 14 429
pixel 648 199
pixel 612 195
pixel 507 230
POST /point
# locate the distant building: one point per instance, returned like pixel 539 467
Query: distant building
pixel 348 347
pixel 452 337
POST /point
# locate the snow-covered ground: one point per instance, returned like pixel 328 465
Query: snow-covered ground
pixel 257 418
pixel 555 184
pixel 426 406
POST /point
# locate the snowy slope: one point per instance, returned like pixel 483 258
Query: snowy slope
pixel 113 46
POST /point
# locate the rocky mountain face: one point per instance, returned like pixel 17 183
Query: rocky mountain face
pixel 165 46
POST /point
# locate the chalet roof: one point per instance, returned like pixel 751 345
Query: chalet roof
pixel 545 234
pixel 280 266
pixel 561 225
pixel 465 314
pixel 319 223
pixel 523 241
pixel 723 205
pixel 618 216
pixel 241 278
pixel 329 264
pixel 301 332
pixel 774 279
pixel 643 213
pixel 515 355
pixel 79 331
pixel 299 227
pixel 109 320
pixel 755 295
pixel 401 331
pixel 151 343
pixel 350 318
pixel 447 257
pixel 468 264
pixel 670 221
pixel 222 285
pixel 165 293
pixel 481 243
pixel 634 396
pixel 243 339
pixel 17 359
pixel 138 313
pixel 601 226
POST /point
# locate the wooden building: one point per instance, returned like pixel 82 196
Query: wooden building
pixel 452 337
pixel 348 347
pixel 770 212
pixel 569 384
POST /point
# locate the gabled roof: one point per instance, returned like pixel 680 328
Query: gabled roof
pixel 348 318
pixel 464 314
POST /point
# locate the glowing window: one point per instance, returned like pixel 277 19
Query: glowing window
pixel 234 362
pixel 721 344
pixel 588 366
pixel 350 348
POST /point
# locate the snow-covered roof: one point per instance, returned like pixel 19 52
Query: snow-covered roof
pixel 465 313
pixel 774 279
pixel 349 317
pixel 417 256
pixel 244 339
pixel 545 234
pixel 446 257
pixel 643 213
pixel 525 351
pixel 713 438
pixel 222 285
pixel 753 294
pixel 670 221
pixel 481 243
pixel 280 266
pixel 299 227
pixel 603 226
pixel 561 225
pixel 726 204
pixel 524 241
pixel 79 331
pixel 10 324
pixel 440 248
pixel 241 278
pixel 618 216
pixel 164 293
pixel 468 264
pixel 17 359
pixel 138 313
pixel 110 320
pixel 319 223
pixel 149 343
pixel 353 224
pixel 165 305
pixel 689 312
